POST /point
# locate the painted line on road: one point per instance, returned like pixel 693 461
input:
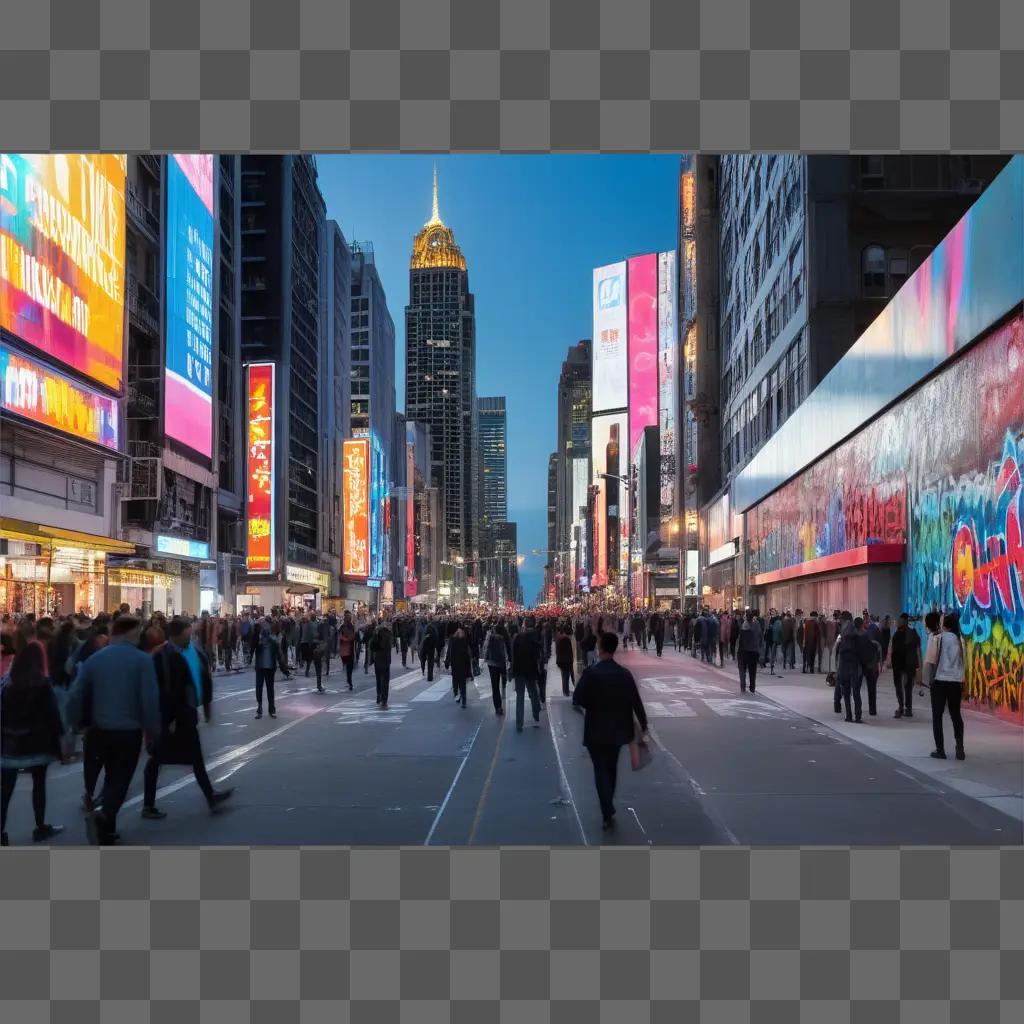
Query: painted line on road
pixel 435 692
pixel 565 783
pixel 451 788
pixel 485 789
pixel 233 755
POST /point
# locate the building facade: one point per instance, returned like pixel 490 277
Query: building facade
pixel 492 441
pixel 440 381
pixel 284 231
pixel 910 498
pixel 573 426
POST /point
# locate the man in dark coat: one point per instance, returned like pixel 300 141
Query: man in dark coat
pixel 811 641
pixel 380 649
pixel 527 652
pixel 180 700
pixel 608 694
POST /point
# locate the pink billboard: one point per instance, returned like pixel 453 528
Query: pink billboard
pixel 642 284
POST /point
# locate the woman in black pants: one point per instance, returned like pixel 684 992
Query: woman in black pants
pixel 496 656
pixel 460 662
pixel 30 736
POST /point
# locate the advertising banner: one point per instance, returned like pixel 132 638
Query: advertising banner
pixel 608 455
pixel 380 511
pixel 643 345
pixel 62 247
pixel 356 508
pixel 188 392
pixel 42 395
pixel 411 582
pixel 668 382
pixel 260 551
pixel 610 366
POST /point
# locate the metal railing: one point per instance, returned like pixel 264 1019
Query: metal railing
pixel 142 214
pixel 143 306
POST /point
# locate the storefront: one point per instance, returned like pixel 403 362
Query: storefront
pixel 49 571
pixel 144 591
pixel 721 578
pixel 303 589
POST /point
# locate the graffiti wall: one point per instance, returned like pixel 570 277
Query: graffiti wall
pixel 941 473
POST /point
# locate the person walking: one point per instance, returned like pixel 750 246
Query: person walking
pixel 749 641
pixel 459 659
pixel 526 660
pixel 946 650
pixel 347 646
pixel 428 652
pixel 31 730
pixel 589 647
pixel 608 695
pixel 496 657
pixel 563 657
pixel 117 695
pixel 269 656
pixel 906 660
pixel 849 662
pixel 657 626
pixel 871 663
pixel 811 642
pixel 380 651
pixel 183 691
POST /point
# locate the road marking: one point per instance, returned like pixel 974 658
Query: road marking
pixel 636 818
pixel 451 788
pixel 672 709
pixel 485 789
pixel 565 783
pixel 436 692
pixel 739 707
pixel 232 755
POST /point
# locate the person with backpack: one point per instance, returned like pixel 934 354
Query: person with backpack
pixel 946 654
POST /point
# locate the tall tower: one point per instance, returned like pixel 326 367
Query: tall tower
pixel 440 378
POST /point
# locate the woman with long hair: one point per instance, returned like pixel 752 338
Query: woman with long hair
pixel 30 735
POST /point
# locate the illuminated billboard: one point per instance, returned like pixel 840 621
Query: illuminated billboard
pixel 188 390
pixel 380 511
pixel 411 582
pixel 608 455
pixel 355 479
pixel 62 246
pixel 609 366
pixel 668 384
pixel 183 547
pixel 259 549
pixel 643 345
pixel 37 393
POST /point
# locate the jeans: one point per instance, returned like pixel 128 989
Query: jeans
pixel 659 643
pixel 522 685
pixel 152 770
pixel 405 652
pixel 119 752
pixel 809 652
pixel 428 661
pixel 849 682
pixel 348 661
pixel 567 677
pixel 459 686
pixel 317 662
pixel 748 663
pixel 8 780
pixel 871 679
pixel 946 693
pixel 904 683
pixel 498 681
pixel 383 675
pixel 606 764
pixel 92 762
pixel 265 677
pixel 225 656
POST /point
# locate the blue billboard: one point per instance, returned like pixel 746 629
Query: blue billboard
pixel 380 511
pixel 188 393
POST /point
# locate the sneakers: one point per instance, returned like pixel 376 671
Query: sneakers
pixel 44 832
pixel 153 814
pixel 939 754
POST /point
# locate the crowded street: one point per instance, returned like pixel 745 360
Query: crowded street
pixel 727 767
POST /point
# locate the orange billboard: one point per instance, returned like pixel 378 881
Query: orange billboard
pixel 259 549
pixel 355 559
pixel 62 258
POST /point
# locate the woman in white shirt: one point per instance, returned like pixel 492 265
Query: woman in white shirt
pixel 945 659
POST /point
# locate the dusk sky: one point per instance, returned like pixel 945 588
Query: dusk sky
pixel 532 228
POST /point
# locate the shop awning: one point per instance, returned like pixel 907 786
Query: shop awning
pixel 869 554
pixel 32 533
pixel 301 588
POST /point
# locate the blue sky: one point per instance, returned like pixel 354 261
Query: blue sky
pixel 532 229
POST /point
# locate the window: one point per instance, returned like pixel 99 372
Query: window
pixel 872 171
pixel 899 270
pixel 873 272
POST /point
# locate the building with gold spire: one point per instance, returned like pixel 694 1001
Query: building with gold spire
pixel 440 386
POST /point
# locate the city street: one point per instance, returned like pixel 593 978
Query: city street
pixel 727 768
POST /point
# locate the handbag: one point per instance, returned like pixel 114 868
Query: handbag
pixel 639 749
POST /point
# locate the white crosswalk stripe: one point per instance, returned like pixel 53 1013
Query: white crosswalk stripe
pixel 436 692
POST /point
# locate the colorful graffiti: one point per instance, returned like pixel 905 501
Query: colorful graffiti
pixel 941 472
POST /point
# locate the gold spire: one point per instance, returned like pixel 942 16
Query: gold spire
pixel 435 216
pixel 434 244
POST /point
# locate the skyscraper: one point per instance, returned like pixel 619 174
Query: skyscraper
pixel 573 478
pixel 492 424
pixel 440 380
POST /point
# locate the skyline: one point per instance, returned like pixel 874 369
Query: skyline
pixel 527 227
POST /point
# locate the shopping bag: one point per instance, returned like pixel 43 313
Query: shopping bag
pixel 639 750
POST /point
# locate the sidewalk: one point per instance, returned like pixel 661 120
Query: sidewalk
pixel 993 772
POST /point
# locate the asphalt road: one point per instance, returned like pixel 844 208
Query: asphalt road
pixel 333 769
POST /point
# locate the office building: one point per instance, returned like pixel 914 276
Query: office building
pixel 440 381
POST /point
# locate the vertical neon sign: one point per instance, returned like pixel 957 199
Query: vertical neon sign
pixel 356 492
pixel 259 550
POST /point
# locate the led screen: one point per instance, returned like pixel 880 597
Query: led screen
pixel 259 552
pixel 380 523
pixel 608 454
pixel 188 392
pixel 37 393
pixel 643 345
pixel 668 395
pixel 410 514
pixel 356 512
pixel 62 246
pixel 609 344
